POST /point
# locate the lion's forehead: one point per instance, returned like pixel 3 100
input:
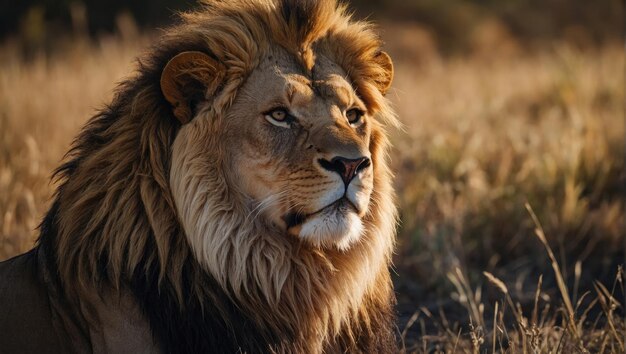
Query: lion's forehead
pixel 318 99
pixel 279 74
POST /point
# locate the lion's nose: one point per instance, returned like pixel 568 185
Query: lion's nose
pixel 346 168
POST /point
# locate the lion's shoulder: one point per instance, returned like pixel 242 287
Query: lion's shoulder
pixel 26 321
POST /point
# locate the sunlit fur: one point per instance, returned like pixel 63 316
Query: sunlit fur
pixel 116 217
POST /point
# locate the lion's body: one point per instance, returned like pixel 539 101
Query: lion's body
pixel 26 308
pixel 36 320
pixel 154 242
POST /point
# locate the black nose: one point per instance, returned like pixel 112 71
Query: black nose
pixel 346 168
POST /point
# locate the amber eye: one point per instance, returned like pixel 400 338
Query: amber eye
pixel 354 116
pixel 279 117
pixel 278 114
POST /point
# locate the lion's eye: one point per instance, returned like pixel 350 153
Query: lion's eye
pixel 279 117
pixel 354 116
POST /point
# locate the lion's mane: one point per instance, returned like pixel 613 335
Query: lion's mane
pixel 113 222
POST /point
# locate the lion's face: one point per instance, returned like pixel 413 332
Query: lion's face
pixel 302 150
pixel 295 150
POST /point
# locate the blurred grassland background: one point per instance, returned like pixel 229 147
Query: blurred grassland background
pixel 505 104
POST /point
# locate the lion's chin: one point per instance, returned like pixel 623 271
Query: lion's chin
pixel 334 226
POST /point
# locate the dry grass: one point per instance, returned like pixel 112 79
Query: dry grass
pixel 485 134
pixel 43 103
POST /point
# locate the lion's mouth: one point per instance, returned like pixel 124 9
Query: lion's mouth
pixel 295 219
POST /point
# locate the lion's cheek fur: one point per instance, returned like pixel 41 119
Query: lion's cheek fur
pixel 223 239
pixel 202 199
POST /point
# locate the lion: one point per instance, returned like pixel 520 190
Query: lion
pixel 235 196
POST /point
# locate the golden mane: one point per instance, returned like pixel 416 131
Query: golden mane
pixel 114 224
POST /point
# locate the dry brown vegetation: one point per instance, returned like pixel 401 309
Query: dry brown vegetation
pixel 485 135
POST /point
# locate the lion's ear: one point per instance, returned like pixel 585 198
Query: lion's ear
pixel 189 78
pixel 383 80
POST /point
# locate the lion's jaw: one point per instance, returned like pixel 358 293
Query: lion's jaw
pixel 336 224
pixel 338 220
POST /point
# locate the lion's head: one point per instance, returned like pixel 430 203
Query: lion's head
pixel 249 152
pixel 298 151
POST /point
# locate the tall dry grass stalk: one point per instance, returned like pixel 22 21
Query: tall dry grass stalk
pixel 571 322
